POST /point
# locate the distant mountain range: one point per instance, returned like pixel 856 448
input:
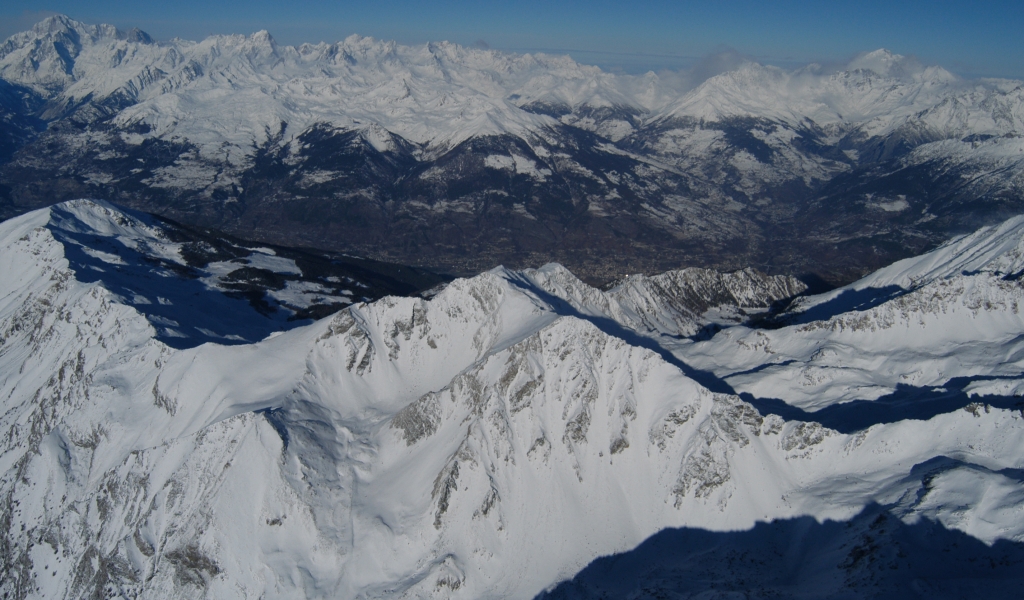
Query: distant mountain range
pixel 689 434
pixel 460 159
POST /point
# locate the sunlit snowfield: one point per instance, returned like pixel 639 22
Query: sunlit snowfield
pixel 495 439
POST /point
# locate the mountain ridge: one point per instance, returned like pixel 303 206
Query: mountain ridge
pixel 460 159
pixel 445 432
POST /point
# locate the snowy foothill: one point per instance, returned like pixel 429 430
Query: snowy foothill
pixel 493 440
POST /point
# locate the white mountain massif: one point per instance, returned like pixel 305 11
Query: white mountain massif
pixel 450 93
pixel 493 440
pixel 461 158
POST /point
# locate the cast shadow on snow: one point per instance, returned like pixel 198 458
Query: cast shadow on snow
pixel 873 555
pixel 278 420
pixel 844 302
pixel 184 311
pixel 614 329
pixel 906 402
pixel 940 464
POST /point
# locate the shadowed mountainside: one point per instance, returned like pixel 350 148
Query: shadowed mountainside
pixel 873 555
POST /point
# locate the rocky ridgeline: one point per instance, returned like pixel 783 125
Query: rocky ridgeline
pixel 494 438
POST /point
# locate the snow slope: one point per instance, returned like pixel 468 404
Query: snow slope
pixel 486 443
pixel 194 287
pixel 899 334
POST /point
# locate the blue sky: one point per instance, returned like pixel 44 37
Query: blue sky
pixel 970 38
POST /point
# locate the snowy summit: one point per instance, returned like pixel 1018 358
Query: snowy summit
pixel 493 440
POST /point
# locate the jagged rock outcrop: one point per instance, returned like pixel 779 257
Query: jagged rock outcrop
pixel 491 440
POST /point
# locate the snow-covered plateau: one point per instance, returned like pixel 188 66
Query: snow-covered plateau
pixel 462 158
pixel 718 432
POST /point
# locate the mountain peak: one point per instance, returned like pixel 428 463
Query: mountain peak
pixel 56 23
pixel 458 434
pixel 263 37
pixel 63 24
pixel 885 63
pixel 139 36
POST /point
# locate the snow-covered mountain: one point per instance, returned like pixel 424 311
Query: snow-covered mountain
pixel 463 158
pixel 492 440
pixel 194 286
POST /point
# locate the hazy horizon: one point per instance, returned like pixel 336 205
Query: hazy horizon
pixel 969 40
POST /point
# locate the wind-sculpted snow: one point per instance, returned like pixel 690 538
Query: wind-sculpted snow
pixel 487 442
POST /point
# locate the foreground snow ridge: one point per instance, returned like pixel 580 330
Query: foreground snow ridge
pixel 492 441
